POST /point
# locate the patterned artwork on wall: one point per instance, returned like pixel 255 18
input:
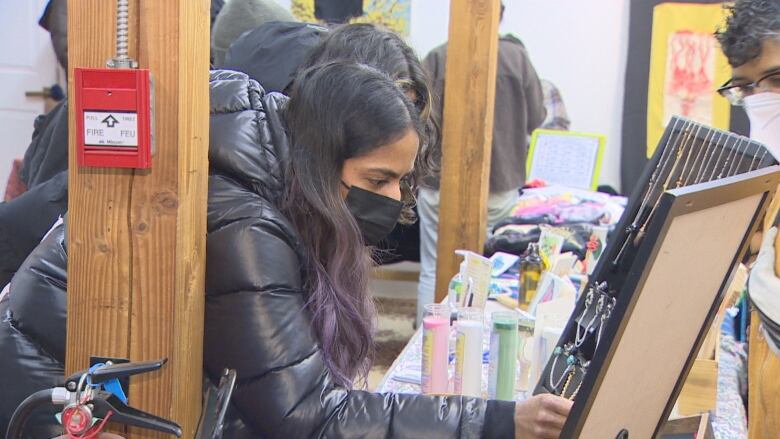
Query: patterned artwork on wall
pixel 690 76
pixel 686 67
pixel 394 14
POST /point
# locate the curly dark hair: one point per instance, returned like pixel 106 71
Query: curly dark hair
pixel 750 23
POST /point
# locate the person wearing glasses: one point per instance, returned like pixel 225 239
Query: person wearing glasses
pixel 751 42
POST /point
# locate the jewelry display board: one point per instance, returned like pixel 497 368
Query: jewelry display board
pixel 635 332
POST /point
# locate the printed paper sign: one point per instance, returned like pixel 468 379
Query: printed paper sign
pixel 112 129
pixel 565 158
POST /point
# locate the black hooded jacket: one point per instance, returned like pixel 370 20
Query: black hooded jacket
pixel 256 321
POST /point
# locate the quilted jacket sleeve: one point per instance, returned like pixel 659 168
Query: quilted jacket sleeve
pixel 256 322
pixel 32 333
pixel 26 219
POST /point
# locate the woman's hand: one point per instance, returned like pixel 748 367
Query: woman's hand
pixel 541 416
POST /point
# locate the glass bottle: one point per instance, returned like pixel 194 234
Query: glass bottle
pixel 530 272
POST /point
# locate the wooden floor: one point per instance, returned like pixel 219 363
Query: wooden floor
pixel 395 289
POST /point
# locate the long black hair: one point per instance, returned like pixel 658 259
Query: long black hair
pixel 384 50
pixel 338 111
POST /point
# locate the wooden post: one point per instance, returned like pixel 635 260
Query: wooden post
pixel 763 386
pixel 469 98
pixel 764 365
pixel 136 239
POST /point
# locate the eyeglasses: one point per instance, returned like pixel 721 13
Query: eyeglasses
pixel 736 93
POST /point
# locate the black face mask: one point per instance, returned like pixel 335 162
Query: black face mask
pixel 376 215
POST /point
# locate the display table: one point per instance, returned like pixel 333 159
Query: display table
pixel 728 423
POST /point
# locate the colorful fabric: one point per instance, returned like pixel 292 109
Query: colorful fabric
pixel 15 185
pixel 559 205
pixel 730 420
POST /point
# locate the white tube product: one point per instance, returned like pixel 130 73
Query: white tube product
pixel 468 352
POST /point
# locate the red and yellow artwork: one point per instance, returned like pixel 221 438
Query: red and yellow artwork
pixel 686 68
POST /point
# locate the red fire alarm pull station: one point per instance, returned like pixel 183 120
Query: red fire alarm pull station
pixel 114 108
pixel 113 118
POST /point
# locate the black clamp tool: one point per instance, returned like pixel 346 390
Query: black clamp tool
pixel 84 399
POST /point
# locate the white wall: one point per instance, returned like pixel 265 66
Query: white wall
pixel 581 46
pixel 27 63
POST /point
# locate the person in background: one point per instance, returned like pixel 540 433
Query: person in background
pixel 519 109
pixel 239 16
pixel 322 176
pixel 557 118
pixel 55 20
pixel 42 176
pixel 272 53
pixel 751 42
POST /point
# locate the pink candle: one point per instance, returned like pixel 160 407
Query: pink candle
pixel 436 333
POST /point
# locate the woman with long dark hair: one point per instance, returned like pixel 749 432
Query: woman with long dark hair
pixel 300 332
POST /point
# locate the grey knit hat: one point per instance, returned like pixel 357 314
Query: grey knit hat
pixel 239 16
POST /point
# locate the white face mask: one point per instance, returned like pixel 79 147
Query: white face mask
pixel 763 109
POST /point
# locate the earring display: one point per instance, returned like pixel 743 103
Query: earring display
pixel 695 171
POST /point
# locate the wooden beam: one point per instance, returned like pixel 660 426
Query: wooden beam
pixel 763 386
pixel 469 98
pixel 763 365
pixel 98 208
pixel 137 238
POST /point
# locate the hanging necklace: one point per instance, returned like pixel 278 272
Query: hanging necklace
pixel 570 361
pixel 725 162
pixel 680 150
pixel 579 339
pixel 568 381
pixel 584 370
pixel 763 156
pixel 642 229
pixel 730 158
pixel 688 157
pixel 604 317
pixel 717 160
pixel 665 155
pixel 711 152
pixel 753 160
pixel 758 165
pixel 656 178
pixel 702 152
pixel 706 146
pixel 737 164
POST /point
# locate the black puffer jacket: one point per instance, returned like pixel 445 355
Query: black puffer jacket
pixel 32 333
pixel 255 318
pixel 26 219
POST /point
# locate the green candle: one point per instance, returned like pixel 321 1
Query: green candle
pixel 503 356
